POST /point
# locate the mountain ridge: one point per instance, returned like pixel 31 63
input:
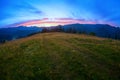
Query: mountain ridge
pixel 58 55
pixel 100 30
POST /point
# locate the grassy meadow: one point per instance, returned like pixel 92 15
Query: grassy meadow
pixel 60 56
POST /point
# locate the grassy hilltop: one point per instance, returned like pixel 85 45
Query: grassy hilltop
pixel 60 56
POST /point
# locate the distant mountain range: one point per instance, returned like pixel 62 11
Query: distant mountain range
pixel 100 30
pixel 7 34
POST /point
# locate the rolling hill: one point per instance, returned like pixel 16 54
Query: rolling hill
pixel 60 56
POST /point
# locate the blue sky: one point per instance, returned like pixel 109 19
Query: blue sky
pixel 99 11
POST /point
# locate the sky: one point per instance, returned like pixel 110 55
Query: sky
pixel 55 12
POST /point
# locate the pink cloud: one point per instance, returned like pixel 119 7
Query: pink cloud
pixel 56 21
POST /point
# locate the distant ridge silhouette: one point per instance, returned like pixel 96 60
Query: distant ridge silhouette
pixel 100 30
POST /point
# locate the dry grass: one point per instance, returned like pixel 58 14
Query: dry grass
pixel 60 56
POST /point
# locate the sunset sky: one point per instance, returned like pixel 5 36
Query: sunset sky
pixel 58 12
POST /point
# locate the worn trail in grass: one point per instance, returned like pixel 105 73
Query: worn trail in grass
pixel 60 56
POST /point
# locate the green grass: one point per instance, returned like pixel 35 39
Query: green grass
pixel 60 56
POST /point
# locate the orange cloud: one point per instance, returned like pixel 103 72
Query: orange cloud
pixel 45 22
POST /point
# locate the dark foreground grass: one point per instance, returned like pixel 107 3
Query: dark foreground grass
pixel 60 56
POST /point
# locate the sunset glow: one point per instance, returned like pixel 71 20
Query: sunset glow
pixel 54 22
pixel 58 12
